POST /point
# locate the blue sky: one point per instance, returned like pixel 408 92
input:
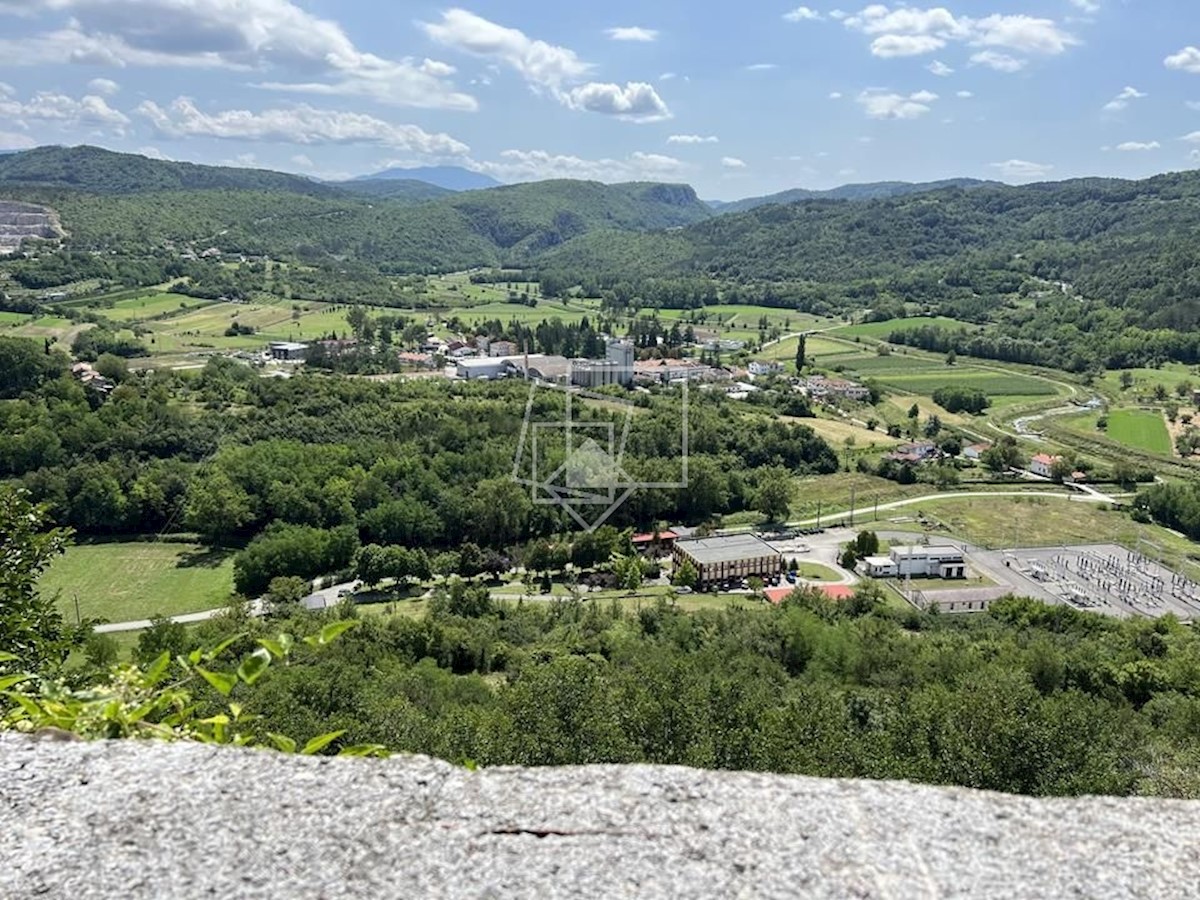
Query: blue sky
pixel 736 99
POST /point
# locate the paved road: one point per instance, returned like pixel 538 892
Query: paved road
pixel 257 608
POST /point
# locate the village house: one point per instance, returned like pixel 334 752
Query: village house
pixel 975 451
pixel 916 453
pixel 1043 464
pixel 821 388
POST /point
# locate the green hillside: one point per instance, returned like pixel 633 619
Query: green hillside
pixel 111 201
pixel 99 171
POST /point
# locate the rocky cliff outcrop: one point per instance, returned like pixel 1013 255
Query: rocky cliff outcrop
pixel 129 819
pixel 19 221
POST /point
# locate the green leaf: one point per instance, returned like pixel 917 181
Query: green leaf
pixel 282 742
pixel 223 682
pixel 5 656
pixel 216 651
pixel 273 647
pixel 8 681
pixel 335 630
pixel 195 656
pixel 321 741
pixel 158 668
pixel 254 665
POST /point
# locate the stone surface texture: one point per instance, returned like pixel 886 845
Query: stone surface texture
pixel 138 819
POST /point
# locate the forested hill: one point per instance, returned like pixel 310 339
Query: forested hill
pixel 1130 243
pixel 99 171
pixel 111 201
pixel 877 190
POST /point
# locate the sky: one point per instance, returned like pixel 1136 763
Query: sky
pixel 737 99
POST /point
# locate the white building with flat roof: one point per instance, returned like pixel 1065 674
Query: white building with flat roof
pixel 919 562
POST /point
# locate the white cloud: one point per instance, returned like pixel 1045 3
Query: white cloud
pixel 302 160
pixel 890 46
pixel 939 68
pixel 1025 34
pixel 1022 170
pixel 889 105
pixel 538 62
pixel 964 95
pixel 1088 6
pixel 437 69
pixel 633 33
pixel 154 153
pixel 1186 60
pixel 89 111
pixel 1121 101
pixel 538 165
pixel 836 95
pixel 732 162
pixel 761 67
pixel 548 67
pixel 104 87
pixel 909 31
pixel 1001 62
pixel 1134 146
pixel 11 141
pixel 802 14
pixel 269 36
pixel 1193 138
pixel 635 102
pixel 692 139
pixel 7 90
pixel 297 125
pixel 1192 105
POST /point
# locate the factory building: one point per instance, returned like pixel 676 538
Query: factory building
pixel 728 558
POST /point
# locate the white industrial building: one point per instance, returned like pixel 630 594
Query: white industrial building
pixel 615 368
pixel 919 562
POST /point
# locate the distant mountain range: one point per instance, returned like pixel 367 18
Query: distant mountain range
pixel 877 190
pixel 450 178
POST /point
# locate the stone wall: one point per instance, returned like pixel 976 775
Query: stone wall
pixel 133 819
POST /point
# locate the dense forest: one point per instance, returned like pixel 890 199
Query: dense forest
pixel 299 463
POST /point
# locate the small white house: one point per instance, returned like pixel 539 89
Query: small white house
pixel 1042 464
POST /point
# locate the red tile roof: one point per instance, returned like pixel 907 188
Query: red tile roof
pixel 777 595
pixel 647 538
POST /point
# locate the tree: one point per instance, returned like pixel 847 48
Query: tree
pixel 914 411
pixel 1061 469
pixel 285 593
pixel 685 575
pixel 951 357
pixel 112 367
pixel 1126 380
pixel 801 355
pixel 933 426
pixel 31 627
pixel 215 506
pixel 774 493
pixel 1003 455
pixel 163 636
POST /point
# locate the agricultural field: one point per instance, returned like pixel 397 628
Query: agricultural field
pixel 880 330
pixel 838 431
pixel 1142 428
pixel 999 386
pixel 149 306
pixel 571 311
pixel 12 319
pixel 1169 376
pixel 125 581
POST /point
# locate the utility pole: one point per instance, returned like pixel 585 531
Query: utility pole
pixel 818 513
pixel 852 506
pixel 876 508
pixel 78 617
